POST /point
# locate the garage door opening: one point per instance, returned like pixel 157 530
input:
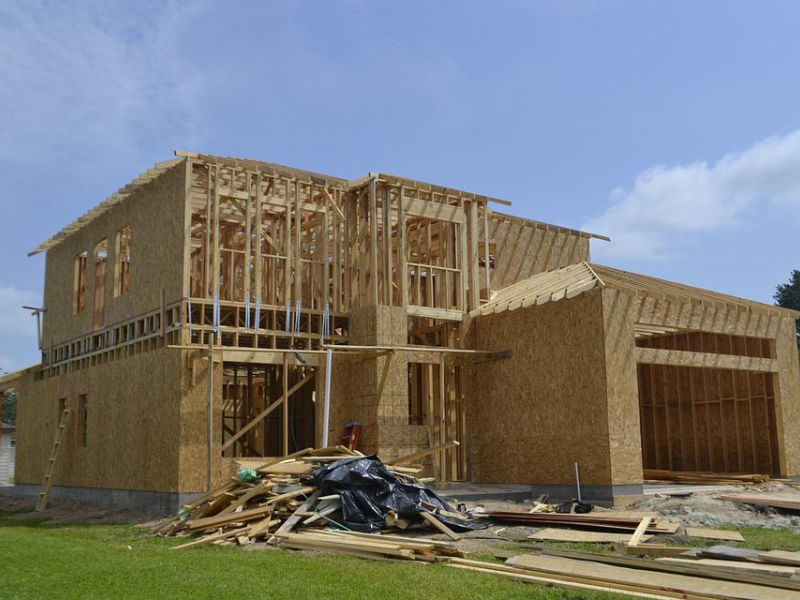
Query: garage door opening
pixel 706 419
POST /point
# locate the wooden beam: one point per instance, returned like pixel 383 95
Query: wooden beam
pixel 264 413
pixel 387 363
pixel 685 358
pixel 410 458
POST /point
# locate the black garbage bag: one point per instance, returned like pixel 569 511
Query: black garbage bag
pixel 368 491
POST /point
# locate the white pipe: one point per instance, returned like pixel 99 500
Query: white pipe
pixel 327 406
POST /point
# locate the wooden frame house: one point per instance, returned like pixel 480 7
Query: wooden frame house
pixel 192 319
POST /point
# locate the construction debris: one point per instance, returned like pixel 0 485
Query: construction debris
pixel 291 501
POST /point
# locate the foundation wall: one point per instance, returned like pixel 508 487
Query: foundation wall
pixel 155 213
pixel 132 427
pixel 533 415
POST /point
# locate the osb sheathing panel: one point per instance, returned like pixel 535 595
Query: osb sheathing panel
pixel 624 436
pixel 193 430
pixel 533 415
pixel 155 213
pixel 132 427
pixel 787 398
pixel 523 250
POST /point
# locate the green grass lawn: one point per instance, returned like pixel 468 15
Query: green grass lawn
pixel 42 561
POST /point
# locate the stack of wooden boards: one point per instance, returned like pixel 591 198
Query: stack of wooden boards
pixel 643 578
pixel 789 502
pixel 280 498
pixel 608 521
pixel 704 478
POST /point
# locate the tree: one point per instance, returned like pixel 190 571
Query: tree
pixel 787 295
pixel 9 414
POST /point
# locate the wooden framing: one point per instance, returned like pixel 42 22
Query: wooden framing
pixel 404 281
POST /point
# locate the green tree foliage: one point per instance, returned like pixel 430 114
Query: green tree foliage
pixel 787 295
pixel 10 409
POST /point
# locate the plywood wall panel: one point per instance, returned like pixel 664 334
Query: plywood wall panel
pixel 155 213
pixel 132 429
pixel 532 416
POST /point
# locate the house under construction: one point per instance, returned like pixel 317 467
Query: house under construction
pixel 216 309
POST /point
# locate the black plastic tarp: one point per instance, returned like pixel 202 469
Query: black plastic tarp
pixel 368 491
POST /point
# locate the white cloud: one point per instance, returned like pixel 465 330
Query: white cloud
pixel 665 204
pixel 18 343
pixel 92 78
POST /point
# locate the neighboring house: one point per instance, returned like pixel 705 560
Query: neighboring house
pixel 8 443
pixel 444 320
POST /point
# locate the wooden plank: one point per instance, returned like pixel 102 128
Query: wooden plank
pixel 714 534
pixel 570 583
pixel 640 531
pixel 439 525
pixel 736 564
pixel 410 458
pixel 384 374
pixel 574 535
pixel 683 568
pixel 293 520
pixel 656 581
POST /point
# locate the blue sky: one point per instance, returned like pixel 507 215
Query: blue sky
pixel 670 126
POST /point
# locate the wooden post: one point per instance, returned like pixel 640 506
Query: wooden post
pixel 442 419
pixel 327 406
pixel 373 242
pixel 259 233
pixel 210 419
pixel 187 243
pixel 402 255
pixel 473 255
pixel 387 238
pixel 285 406
pixel 486 249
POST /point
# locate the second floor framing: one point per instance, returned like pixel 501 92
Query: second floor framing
pixel 270 256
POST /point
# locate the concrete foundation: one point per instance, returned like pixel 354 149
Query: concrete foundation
pixel 163 503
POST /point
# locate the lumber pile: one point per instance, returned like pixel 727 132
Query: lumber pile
pixel 638 577
pixel 789 502
pixel 278 502
pixel 704 477
pixel 599 521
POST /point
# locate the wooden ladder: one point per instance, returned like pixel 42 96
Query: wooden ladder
pixel 47 482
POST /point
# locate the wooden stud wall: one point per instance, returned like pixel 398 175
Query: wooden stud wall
pixel 696 419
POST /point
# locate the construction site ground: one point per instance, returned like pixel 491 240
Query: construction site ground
pixel 133 562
